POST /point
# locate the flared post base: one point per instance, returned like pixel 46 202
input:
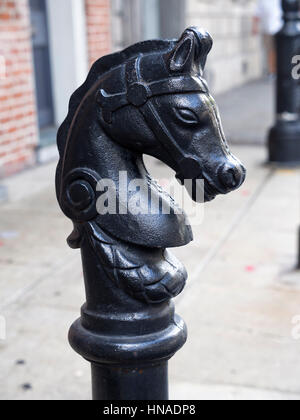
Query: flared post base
pixel 130 366
pixel 284 144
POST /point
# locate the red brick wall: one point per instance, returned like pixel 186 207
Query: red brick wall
pixel 18 119
pixel 18 126
pixel 98 28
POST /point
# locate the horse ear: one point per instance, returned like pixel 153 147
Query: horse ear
pixel 204 45
pixel 183 54
pixel 191 50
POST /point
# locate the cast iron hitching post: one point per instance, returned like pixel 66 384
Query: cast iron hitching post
pixel 284 138
pixel 149 99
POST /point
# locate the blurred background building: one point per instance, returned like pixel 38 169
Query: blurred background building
pixel 241 303
pixel 47 47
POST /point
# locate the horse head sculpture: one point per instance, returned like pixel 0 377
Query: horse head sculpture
pixel 148 99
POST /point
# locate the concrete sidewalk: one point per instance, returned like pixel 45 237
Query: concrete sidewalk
pixel 248 112
pixel 239 304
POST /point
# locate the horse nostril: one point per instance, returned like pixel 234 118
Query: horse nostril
pixel 228 178
pixel 232 176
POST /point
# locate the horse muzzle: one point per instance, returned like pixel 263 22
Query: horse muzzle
pixel 228 177
pixel 231 176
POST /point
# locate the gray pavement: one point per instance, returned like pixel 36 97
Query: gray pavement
pixel 248 112
pixel 242 296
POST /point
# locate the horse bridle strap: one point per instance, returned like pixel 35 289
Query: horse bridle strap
pixel 138 91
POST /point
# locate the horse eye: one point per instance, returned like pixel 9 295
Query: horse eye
pixel 186 115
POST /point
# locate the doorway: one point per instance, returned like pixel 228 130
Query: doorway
pixel 42 70
pixel 137 20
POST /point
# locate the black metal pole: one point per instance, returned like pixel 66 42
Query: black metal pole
pixel 127 342
pixel 143 100
pixel 284 137
pixel 130 383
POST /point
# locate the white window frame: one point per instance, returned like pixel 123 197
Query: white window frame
pixel 68 51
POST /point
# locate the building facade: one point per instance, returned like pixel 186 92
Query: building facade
pixel 236 57
pixel 237 54
pixel 18 129
pixel 47 47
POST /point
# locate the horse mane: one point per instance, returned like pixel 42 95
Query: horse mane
pixel 100 67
